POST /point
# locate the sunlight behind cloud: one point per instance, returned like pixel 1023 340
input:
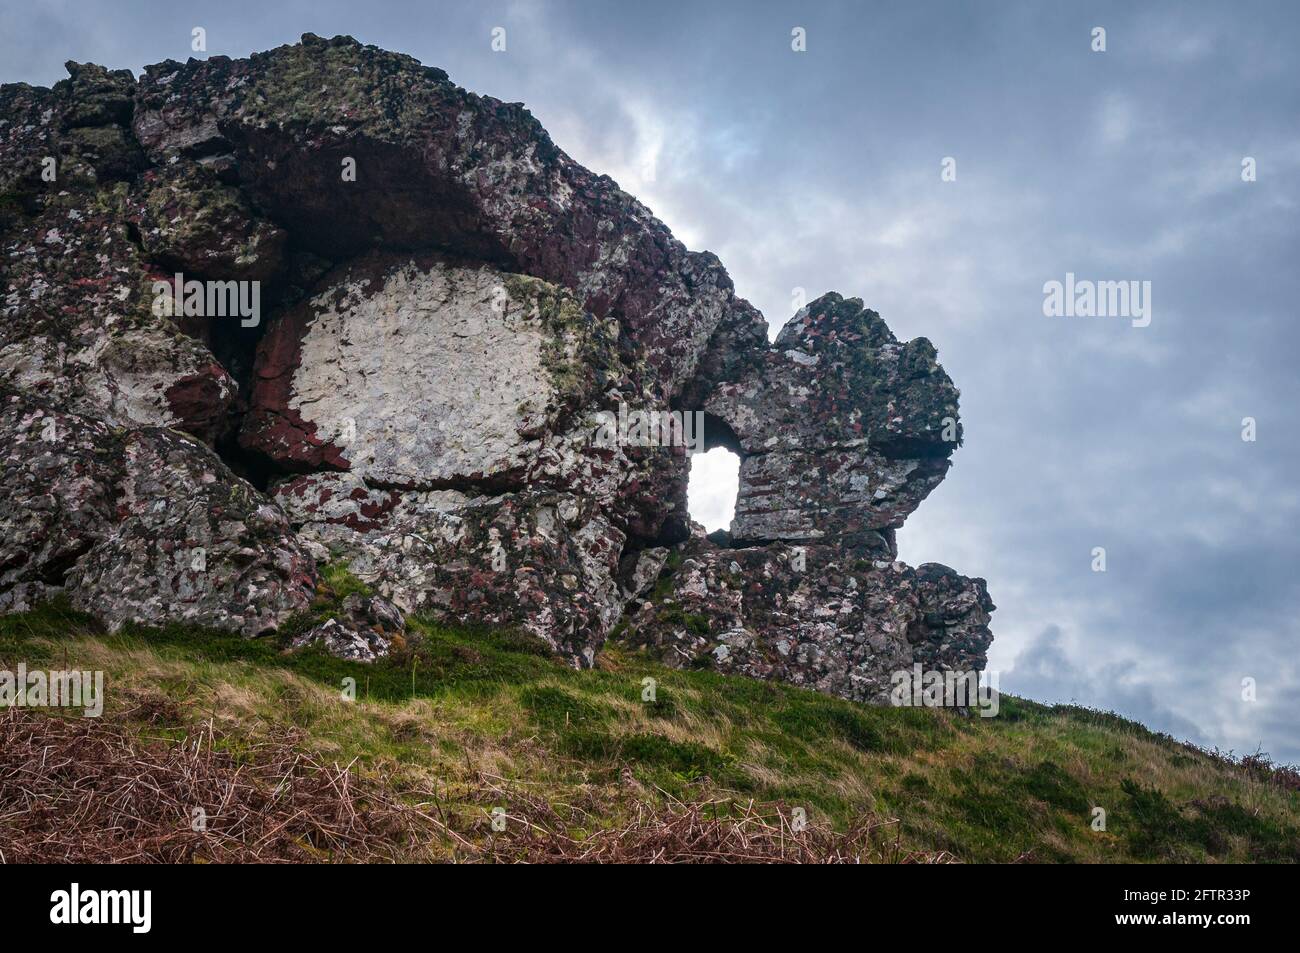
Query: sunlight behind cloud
pixel 711 493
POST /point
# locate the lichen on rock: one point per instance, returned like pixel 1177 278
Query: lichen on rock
pixel 139 525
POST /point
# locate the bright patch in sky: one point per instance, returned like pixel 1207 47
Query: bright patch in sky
pixel 711 492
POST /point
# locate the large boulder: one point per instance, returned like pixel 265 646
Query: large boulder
pixel 451 313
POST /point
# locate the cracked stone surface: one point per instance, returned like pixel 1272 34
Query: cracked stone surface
pixel 139 525
pixel 842 429
pixel 78 322
pixel 820 616
pixel 450 307
pixel 544 561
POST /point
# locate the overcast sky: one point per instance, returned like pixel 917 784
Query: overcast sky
pixel 821 170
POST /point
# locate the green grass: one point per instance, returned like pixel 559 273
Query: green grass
pixel 456 705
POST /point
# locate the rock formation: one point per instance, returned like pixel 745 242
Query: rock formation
pixel 447 310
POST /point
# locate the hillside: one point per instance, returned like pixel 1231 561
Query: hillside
pixel 456 723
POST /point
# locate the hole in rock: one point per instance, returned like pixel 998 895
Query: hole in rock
pixel 711 490
pixel 714 478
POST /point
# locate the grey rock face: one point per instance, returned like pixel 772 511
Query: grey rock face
pixel 818 616
pixel 541 560
pixel 842 429
pixel 141 525
pixel 415 372
pixel 57 497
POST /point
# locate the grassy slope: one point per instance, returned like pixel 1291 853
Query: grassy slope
pixel 456 706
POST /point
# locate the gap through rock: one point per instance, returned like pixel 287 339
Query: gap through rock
pixel 711 492
pixel 714 479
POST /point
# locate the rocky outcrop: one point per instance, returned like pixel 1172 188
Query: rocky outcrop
pixel 139 525
pixel 842 430
pixel 826 617
pixel 79 323
pixel 416 372
pixel 451 314
pixel 435 166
